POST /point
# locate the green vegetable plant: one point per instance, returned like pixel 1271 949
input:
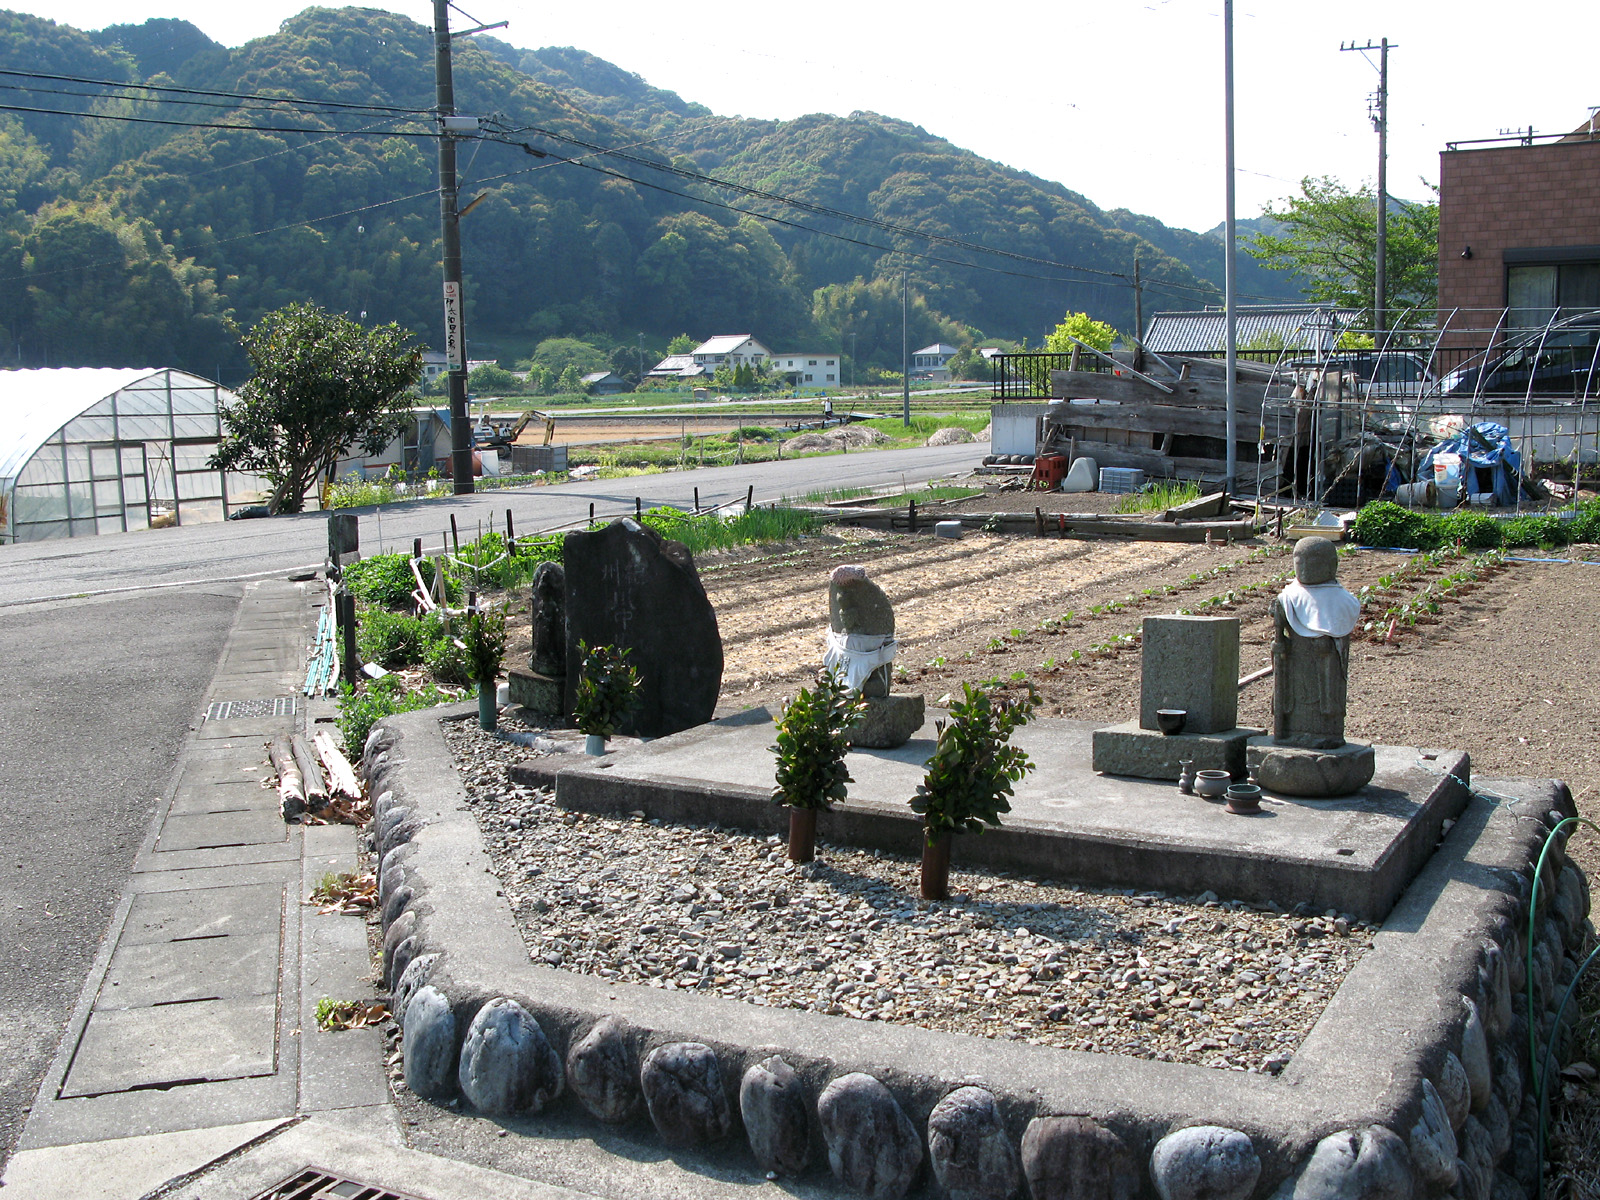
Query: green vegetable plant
pixel 360 710
pixel 391 639
pixel 607 689
pixel 971 774
pixel 813 739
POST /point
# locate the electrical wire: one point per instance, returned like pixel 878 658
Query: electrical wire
pixel 297 101
pixel 62 112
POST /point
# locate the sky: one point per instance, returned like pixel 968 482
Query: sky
pixel 1121 101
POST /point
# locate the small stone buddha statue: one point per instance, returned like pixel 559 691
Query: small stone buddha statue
pixel 1312 621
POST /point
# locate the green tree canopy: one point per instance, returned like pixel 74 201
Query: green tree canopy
pixel 1330 238
pixel 1083 327
pixel 557 354
pixel 682 344
pixel 323 384
pixel 491 378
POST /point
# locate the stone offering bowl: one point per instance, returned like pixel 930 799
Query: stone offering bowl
pixel 1170 720
pixel 1211 784
pixel 1244 798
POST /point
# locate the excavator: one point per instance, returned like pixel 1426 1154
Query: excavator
pixel 488 436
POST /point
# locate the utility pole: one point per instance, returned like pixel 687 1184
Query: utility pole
pixel 1138 303
pixel 905 353
pixel 1380 123
pixel 1230 297
pixel 450 234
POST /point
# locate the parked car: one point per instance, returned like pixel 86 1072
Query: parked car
pixel 1393 375
pixel 1562 363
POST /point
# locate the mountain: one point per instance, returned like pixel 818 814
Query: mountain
pixel 128 240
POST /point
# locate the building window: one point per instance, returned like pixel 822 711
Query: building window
pixel 811 362
pixel 1535 290
pixel 808 378
pixel 830 378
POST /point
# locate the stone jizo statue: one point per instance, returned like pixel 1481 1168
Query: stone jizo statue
pixel 1312 621
pixel 861 645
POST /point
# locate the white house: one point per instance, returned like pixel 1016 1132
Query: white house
pixel 932 362
pixel 808 369
pixel 730 350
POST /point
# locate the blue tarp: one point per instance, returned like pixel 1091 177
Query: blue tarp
pixel 1486 446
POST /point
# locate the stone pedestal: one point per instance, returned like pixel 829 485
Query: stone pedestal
pixel 1191 663
pixel 889 721
pixel 1312 774
pixel 1149 754
pixel 541 694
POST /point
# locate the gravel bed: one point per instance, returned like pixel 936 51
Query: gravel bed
pixel 711 910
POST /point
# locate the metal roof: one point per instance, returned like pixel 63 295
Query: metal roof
pixel 1304 326
pixel 34 404
pixel 944 348
pixel 726 343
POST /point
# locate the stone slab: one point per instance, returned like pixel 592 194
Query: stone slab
pixel 246 732
pixel 211 831
pixel 1190 663
pixel 220 967
pixel 1149 754
pixel 203 913
pixel 537 693
pixel 174 1044
pixel 226 856
pixel 243 796
pixel 1067 822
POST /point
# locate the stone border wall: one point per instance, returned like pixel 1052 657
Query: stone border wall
pixel 1413 1083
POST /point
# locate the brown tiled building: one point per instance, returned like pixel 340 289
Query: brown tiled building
pixel 1519 228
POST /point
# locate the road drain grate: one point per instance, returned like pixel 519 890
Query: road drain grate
pixel 314 1184
pixel 235 710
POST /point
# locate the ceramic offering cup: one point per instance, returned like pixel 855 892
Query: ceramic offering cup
pixel 1244 798
pixel 1211 784
pixel 1170 720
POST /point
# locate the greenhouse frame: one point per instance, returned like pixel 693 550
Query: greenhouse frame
pixel 94 450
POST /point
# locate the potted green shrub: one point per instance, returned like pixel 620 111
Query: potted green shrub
pixel 972 771
pixel 813 739
pixel 607 688
pixel 483 636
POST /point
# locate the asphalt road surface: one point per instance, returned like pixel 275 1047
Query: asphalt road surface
pixel 99 696
pixel 64 569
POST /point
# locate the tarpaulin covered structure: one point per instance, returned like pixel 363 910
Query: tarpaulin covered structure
pixel 1489 463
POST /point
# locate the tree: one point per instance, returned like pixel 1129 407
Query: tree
pixel 323 384
pixel 571 380
pixel 1083 327
pixel 682 344
pixel 1330 239
pixel 492 378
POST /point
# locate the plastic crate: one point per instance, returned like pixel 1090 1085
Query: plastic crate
pixel 1121 481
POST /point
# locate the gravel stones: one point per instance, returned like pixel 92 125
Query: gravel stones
pixel 1076 1158
pixel 684 1094
pixel 1364 1164
pixel 773 1105
pixel 969 1149
pixel 1205 1162
pixel 602 1072
pixel 429 1045
pixel 507 1065
pixel 873 1147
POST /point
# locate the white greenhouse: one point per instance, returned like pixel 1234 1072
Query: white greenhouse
pixel 105 450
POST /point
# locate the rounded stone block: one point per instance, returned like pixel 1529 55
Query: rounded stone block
pixel 428 1045
pixel 776 1113
pixel 1475 1056
pixel 507 1065
pixel 683 1092
pixel 873 1147
pixel 1312 774
pixel 889 722
pixel 1205 1162
pixel 603 1073
pixel 1076 1158
pixel 416 974
pixel 399 900
pixel 971 1154
pixel 1364 1164
pixel 1454 1089
pixel 1433 1143
pixel 402 927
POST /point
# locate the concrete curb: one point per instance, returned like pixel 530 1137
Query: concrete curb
pixel 1434 1002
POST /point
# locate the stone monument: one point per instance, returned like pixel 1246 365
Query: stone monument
pixel 861 645
pixel 627 586
pixel 1188 665
pixel 541 689
pixel 1312 619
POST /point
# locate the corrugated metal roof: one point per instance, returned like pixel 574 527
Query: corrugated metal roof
pixel 726 343
pixel 938 348
pixel 1300 326
pixel 34 404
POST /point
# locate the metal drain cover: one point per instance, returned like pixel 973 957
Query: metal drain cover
pixel 235 710
pixel 315 1184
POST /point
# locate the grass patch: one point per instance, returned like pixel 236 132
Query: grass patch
pixel 360 710
pixel 710 531
pixel 925 425
pixel 1160 496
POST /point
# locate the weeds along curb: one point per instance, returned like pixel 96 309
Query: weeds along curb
pixel 1415 1081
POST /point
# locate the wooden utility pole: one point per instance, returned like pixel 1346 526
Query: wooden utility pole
pixel 455 338
pixel 1380 123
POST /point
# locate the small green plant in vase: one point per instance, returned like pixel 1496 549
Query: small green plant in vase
pixel 608 686
pixel 813 739
pixel 483 636
pixel 972 772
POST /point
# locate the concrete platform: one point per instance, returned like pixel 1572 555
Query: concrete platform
pixel 1354 854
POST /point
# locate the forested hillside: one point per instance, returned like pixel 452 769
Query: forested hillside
pixel 153 239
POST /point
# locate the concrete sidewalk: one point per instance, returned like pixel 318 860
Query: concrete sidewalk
pixel 193 1064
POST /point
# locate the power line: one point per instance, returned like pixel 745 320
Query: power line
pixel 94 116
pixel 297 101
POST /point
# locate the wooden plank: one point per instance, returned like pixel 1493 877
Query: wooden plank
pixel 1145 418
pixel 291 784
pixel 1202 393
pixel 341 775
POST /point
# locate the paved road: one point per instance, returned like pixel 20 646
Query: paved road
pixel 98 698
pixel 34 571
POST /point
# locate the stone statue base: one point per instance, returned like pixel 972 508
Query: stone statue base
pixel 1128 749
pixel 889 721
pixel 1313 774
pixel 540 694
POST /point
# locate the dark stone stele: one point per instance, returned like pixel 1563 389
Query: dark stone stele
pixel 629 587
pixel 542 688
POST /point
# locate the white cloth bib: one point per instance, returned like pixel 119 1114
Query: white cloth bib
pixel 858 655
pixel 1320 610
